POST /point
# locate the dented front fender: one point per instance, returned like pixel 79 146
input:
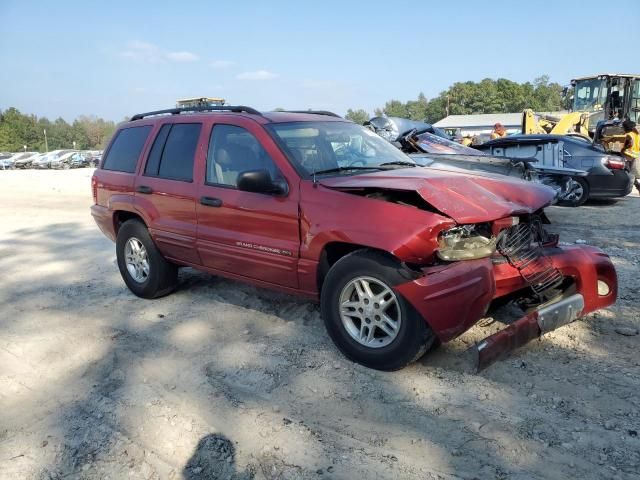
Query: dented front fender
pixel 451 298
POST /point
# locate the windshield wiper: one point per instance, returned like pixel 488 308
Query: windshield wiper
pixel 399 162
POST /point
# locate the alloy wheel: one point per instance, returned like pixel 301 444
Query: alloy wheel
pixel 136 260
pixel 370 312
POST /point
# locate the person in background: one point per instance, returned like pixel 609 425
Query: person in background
pixel 498 131
pixel 467 140
pixel 631 150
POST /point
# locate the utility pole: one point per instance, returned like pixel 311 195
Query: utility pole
pixel 46 144
pixel 447 110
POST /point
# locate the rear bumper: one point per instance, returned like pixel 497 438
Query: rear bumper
pixel 618 184
pixel 104 219
pixel 452 298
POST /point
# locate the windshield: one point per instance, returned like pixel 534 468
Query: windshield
pixel 590 95
pixel 319 146
pixel 431 143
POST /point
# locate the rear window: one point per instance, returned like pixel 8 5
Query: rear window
pixel 173 152
pixel 125 149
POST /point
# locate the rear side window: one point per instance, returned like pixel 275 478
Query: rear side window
pixel 153 163
pixel 173 152
pixel 125 149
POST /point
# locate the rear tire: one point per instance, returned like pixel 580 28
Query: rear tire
pixel 143 268
pixel 581 196
pixel 342 292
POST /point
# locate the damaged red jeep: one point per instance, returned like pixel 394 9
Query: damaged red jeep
pixel 400 257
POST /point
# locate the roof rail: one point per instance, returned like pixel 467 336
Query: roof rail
pixel 314 112
pixel 212 108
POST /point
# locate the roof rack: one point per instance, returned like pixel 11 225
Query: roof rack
pixel 212 108
pixel 314 112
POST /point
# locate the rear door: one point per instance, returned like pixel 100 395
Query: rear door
pixel 253 235
pixel 165 190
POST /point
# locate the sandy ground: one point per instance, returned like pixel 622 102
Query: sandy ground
pixel 223 380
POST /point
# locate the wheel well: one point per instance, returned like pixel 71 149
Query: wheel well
pixel 334 251
pixel 122 216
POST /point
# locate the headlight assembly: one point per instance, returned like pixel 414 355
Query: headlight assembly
pixel 464 243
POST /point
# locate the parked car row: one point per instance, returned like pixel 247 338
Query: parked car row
pixel 56 159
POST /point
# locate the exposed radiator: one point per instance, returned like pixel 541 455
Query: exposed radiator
pixel 522 246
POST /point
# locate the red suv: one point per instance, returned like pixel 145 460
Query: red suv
pixel 400 256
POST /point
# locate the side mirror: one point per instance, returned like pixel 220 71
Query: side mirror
pixel 259 181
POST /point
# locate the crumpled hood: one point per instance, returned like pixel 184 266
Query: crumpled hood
pixel 466 198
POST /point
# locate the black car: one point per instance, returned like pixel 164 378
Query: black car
pixel 607 177
pixel 432 151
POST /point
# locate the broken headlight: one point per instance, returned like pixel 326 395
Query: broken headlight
pixel 465 243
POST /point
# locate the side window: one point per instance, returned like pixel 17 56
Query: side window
pixel 173 152
pixel 125 149
pixel 233 150
pixel 153 163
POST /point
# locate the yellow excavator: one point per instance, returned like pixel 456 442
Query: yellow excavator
pixel 600 104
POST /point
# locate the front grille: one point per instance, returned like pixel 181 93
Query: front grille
pixel 521 245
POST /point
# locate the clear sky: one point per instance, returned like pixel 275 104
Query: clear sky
pixel 114 58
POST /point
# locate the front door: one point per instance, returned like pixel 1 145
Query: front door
pixel 253 235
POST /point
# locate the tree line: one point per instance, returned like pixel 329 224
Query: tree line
pixel 464 98
pixel 487 96
pixel 19 130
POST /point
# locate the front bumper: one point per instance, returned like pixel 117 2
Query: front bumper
pixel 533 325
pixel 452 298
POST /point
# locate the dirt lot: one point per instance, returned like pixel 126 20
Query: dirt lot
pixel 223 380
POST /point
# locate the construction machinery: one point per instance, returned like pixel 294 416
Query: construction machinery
pixel 200 102
pixel 599 105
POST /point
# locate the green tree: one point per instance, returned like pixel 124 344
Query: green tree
pixel 357 116
pixel 487 96
pixel 395 108
pixel 417 109
pixel 18 130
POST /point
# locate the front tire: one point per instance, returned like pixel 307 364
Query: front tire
pixel 368 321
pixel 143 268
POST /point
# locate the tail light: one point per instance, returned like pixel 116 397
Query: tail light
pixel 94 189
pixel 613 163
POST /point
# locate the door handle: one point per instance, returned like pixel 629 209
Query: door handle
pixel 211 202
pixel 144 189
